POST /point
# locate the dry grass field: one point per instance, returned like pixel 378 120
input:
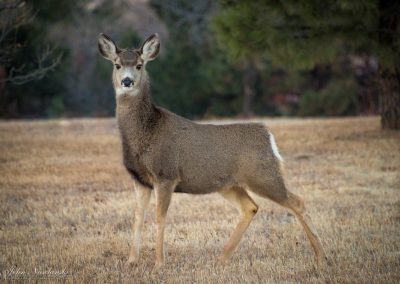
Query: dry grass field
pixel 67 208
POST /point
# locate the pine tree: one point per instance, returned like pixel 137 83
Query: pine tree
pixel 301 34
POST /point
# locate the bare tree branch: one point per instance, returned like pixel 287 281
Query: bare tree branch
pixel 13 6
pixel 12 17
pixel 38 73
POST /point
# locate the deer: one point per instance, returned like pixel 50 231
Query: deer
pixel 166 153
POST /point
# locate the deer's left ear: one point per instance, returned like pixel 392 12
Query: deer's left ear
pixel 150 48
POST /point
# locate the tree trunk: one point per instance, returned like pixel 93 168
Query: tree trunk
pixel 390 99
pixel 389 77
pixel 249 79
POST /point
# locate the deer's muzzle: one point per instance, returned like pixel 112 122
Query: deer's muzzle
pixel 127 82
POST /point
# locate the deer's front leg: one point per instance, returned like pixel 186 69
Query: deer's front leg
pixel 163 193
pixel 142 202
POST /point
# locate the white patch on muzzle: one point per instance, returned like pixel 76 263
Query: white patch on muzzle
pixel 127 74
pixel 131 90
pixel 274 147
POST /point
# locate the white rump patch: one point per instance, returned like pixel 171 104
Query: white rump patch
pixel 275 147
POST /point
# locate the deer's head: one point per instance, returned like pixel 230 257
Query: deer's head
pixel 129 64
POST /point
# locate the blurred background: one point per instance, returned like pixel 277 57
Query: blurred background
pixel 219 58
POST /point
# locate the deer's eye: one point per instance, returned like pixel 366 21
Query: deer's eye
pixel 117 66
pixel 139 66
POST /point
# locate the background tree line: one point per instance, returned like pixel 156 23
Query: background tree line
pixel 218 59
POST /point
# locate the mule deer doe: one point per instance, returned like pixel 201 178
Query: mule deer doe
pixel 168 153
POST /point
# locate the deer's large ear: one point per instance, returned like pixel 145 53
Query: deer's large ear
pixel 107 47
pixel 150 48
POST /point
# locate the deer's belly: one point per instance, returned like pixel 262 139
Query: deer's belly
pixel 204 185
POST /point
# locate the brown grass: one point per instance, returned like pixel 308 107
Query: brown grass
pixel 67 203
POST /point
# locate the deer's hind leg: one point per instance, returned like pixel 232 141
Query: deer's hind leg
pixel 142 202
pixel 269 183
pixel 296 204
pixel 276 191
pixel 248 208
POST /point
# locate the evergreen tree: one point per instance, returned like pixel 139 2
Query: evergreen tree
pixel 301 34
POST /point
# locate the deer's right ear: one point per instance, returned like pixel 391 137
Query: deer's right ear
pixel 107 47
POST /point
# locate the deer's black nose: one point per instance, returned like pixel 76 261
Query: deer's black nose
pixel 127 82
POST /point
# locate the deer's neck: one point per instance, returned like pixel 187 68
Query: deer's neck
pixel 137 117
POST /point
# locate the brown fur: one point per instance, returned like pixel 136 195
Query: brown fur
pixel 167 153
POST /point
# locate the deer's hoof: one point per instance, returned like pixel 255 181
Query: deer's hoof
pixel 131 260
pixel 159 264
pixel 222 260
pixel 322 260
